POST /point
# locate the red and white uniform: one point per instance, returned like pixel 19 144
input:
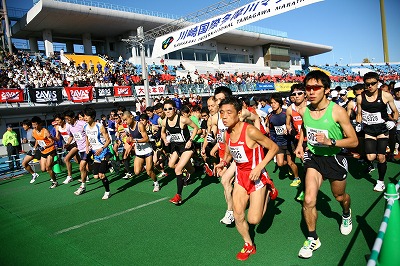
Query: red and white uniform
pixel 297 121
pixel 220 137
pixel 246 160
pixel 65 132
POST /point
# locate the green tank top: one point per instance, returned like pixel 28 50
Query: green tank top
pixel 326 125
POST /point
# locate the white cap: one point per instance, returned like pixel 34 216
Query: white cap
pixel 343 92
pixel 334 93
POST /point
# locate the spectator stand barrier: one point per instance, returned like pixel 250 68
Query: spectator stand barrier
pixel 386 247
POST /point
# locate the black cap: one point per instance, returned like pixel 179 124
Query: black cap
pixel 9 126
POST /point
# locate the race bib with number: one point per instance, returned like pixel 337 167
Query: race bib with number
pixel 177 137
pixel 372 118
pixel 238 154
pixel 41 143
pixel 280 130
pixel 78 136
pixel 312 136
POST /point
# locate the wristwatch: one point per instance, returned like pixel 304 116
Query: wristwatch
pixel 333 142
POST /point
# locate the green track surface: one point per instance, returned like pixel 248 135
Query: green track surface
pixel 42 226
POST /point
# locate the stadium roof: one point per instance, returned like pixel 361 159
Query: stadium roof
pixel 68 21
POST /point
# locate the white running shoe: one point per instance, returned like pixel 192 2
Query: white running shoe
pixel 106 195
pixel 228 218
pixel 127 176
pixel 80 191
pixel 308 247
pixel 156 187
pixel 380 186
pixel 346 226
pixel 53 184
pixel 68 180
pixel 34 176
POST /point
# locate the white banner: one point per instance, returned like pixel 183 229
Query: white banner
pixel 213 27
pixel 153 90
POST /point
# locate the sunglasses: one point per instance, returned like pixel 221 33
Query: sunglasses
pixel 297 93
pixel 168 109
pixel 366 84
pixel 314 87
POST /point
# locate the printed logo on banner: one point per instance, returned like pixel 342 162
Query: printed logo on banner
pixel 80 94
pixel 167 42
pixel 8 95
pixel 104 92
pixel 46 96
pixel 123 91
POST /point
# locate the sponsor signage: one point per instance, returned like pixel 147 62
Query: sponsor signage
pixel 283 87
pixel 153 90
pixel 100 92
pixel 265 86
pixel 79 94
pixel 213 27
pixel 122 91
pixel 11 95
pixel 46 95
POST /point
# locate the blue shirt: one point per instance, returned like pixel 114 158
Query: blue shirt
pixel 154 120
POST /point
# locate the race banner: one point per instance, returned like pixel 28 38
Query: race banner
pixel 213 27
pixel 46 95
pixel 79 94
pixel 100 92
pixel 11 95
pixel 153 90
pixel 265 86
pixel 283 87
pixel 122 91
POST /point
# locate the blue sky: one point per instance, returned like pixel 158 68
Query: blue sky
pixel 351 27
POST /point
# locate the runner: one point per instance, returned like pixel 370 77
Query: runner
pixel 32 154
pixel 245 144
pixel 325 124
pixel 97 141
pixel 45 143
pixel 372 107
pixel 181 144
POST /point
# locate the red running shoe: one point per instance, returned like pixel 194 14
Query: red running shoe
pixel 176 199
pixel 208 170
pixel 246 251
pixel 273 194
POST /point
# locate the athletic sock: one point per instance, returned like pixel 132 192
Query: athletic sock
pixel 346 215
pixel 106 184
pixel 126 164
pixel 313 234
pixel 179 183
pixel 382 171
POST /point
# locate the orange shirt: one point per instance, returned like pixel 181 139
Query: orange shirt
pixel 44 141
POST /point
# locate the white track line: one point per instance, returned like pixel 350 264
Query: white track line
pixel 107 217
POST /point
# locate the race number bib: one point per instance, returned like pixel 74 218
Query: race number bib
pixel 280 130
pixel 372 118
pixel 238 154
pixel 92 140
pixel 41 143
pixel 177 137
pixel 78 136
pixel 312 136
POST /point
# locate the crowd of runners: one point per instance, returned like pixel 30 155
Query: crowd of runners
pixel 234 139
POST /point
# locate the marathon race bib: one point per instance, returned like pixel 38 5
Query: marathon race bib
pixel 280 130
pixel 372 118
pixel 143 148
pixel 312 136
pixel 78 136
pixel 41 143
pixel 177 137
pixel 92 140
pixel 238 154
pixel 65 137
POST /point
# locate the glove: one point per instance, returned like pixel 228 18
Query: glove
pixel 358 127
pixel 390 125
pixel 210 138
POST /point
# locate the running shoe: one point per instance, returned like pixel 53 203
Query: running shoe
pixel 80 191
pixel 228 218
pixel 246 251
pixel 273 194
pixel 370 168
pixel 53 184
pixel 87 179
pixel 301 196
pixel 208 170
pixel 112 169
pixel 176 199
pixel 296 182
pixel 127 176
pixel 156 187
pixel 380 186
pixel 162 174
pixel 186 179
pixel 106 196
pixel 309 246
pixel 34 176
pixel 68 180
pixel 346 226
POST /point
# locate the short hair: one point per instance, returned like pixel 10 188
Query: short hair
pixel 69 113
pixel 371 75
pixel 158 106
pixel 237 104
pixel 277 98
pixel 89 111
pixel 296 86
pixel 358 86
pixel 171 102
pixel 144 117
pixel 223 89
pixel 205 110
pixel 27 122
pixel 319 76
pixel 121 108
pixel 196 108
pixel 37 120
pixel 58 115
pixel 150 109
pixel 185 109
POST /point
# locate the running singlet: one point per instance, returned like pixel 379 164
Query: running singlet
pixel 297 121
pixel 375 112
pixel 94 136
pixel 176 133
pixel 277 125
pixel 43 141
pixel 78 132
pixel 325 125
pixel 65 133
pixel 140 148
pixel 221 128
